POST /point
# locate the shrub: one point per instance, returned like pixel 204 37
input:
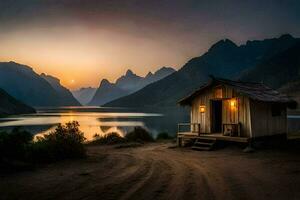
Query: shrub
pixel 14 145
pixel 139 134
pixel 163 136
pixel 109 139
pixel 67 141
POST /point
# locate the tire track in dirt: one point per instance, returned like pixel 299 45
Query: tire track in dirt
pixel 156 172
pixel 168 178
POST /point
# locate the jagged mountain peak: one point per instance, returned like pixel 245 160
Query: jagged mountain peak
pixel 164 69
pixel 149 75
pixel 126 84
pixel 286 36
pixel 223 45
pixel 105 82
pixel 129 73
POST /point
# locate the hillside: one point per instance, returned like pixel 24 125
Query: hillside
pixel 126 84
pixel 224 59
pixel 21 82
pixel 66 97
pixel 11 106
pixel 277 71
pixel 106 92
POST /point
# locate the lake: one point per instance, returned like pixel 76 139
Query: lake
pixel 92 120
pixel 101 120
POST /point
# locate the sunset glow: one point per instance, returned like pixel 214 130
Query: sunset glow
pixel 91 40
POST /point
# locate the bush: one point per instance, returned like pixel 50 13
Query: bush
pixel 14 145
pixel 109 139
pixel 163 136
pixel 67 141
pixel 139 135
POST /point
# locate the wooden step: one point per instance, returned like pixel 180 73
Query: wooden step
pixel 204 143
pixel 207 138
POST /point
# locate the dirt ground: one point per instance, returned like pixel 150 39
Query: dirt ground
pixel 155 171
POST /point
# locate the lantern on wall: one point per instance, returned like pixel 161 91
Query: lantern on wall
pixel 233 104
pixel 202 109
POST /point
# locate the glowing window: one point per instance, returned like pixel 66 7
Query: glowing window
pixel 218 93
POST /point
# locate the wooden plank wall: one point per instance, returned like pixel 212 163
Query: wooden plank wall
pixel 263 123
pixel 240 114
pixel 202 118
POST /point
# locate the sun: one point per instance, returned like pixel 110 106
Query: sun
pixel 72 81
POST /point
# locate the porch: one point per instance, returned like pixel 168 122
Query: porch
pixel 217 136
pixel 191 131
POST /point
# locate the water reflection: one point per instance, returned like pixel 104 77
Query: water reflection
pixel 91 123
pixel 97 120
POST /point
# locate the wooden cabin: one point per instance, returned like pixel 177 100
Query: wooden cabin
pixel 235 111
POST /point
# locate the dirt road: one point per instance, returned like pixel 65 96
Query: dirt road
pixel 158 172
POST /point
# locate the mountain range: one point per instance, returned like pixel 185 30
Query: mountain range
pixel 126 84
pixel 259 60
pixel 22 83
pixel 275 62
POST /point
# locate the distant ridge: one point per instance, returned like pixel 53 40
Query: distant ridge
pixel 126 84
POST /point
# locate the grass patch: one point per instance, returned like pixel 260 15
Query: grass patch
pixel 108 139
pixel 19 151
pixel 67 141
pixel 164 136
pixel 134 138
pixel 139 134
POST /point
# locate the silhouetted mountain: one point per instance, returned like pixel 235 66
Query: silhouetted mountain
pixel 159 74
pixel 11 106
pixel 84 95
pixel 224 59
pixel 66 97
pixel 106 92
pixel 126 84
pixel 128 81
pixel 278 70
pixel 21 82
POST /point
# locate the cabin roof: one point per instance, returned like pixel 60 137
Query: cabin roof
pixel 255 91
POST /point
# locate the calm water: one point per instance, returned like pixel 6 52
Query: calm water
pixel 92 120
pixel 98 120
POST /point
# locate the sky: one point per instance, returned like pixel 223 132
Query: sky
pixel 84 41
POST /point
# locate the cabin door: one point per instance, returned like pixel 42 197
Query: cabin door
pixel 216 116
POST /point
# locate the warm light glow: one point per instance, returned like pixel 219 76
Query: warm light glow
pixel 84 55
pixel 202 109
pixel 233 103
pixel 218 93
pixel 72 81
